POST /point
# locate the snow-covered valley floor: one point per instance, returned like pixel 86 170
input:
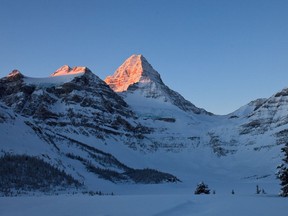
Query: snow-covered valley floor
pixel 144 205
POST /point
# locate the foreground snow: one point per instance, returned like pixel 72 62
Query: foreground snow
pixel 178 205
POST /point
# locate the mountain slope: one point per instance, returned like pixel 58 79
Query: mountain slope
pixel 269 115
pixel 216 143
pixel 137 76
pixel 67 120
pixel 82 101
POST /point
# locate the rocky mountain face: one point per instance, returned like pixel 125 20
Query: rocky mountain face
pixel 114 130
pixel 84 101
pixel 71 112
pixel 269 114
pixel 259 126
pixel 137 75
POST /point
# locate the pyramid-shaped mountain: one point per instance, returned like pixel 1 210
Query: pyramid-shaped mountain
pixel 137 75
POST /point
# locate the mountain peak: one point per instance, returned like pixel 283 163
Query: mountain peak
pixel 135 69
pixel 15 74
pixel 66 70
pixel 137 75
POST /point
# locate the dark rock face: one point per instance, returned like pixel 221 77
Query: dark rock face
pixel 15 75
pixel 81 106
pixel 268 115
pixel 84 103
pixel 284 92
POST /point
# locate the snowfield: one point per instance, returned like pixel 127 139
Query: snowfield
pixel 145 205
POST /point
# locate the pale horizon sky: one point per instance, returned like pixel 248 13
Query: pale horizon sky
pixel 218 54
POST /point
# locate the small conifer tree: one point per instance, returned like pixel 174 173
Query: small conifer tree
pixel 258 189
pixel 202 188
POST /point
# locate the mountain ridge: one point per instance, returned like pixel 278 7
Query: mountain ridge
pixel 78 123
pixel 67 70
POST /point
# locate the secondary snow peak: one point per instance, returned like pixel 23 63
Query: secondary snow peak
pixel 135 69
pixel 66 70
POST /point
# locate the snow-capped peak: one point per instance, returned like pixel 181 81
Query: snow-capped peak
pixel 135 69
pixel 66 70
pixel 136 75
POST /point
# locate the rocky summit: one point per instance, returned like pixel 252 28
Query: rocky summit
pixel 137 76
pixel 136 69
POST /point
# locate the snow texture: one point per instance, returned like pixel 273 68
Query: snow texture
pixel 145 205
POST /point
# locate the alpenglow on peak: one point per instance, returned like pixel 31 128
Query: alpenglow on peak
pixel 66 70
pixel 135 69
pixel 15 73
pixel 137 75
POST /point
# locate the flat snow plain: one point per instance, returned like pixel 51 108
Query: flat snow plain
pixel 145 205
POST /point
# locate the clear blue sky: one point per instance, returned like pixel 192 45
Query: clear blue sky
pixel 219 54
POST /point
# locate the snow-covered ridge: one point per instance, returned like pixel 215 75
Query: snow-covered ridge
pixel 52 80
pixel 248 108
pixel 66 70
pixel 63 75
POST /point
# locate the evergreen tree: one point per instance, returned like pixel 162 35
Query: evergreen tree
pixel 258 189
pixel 282 173
pixel 202 188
